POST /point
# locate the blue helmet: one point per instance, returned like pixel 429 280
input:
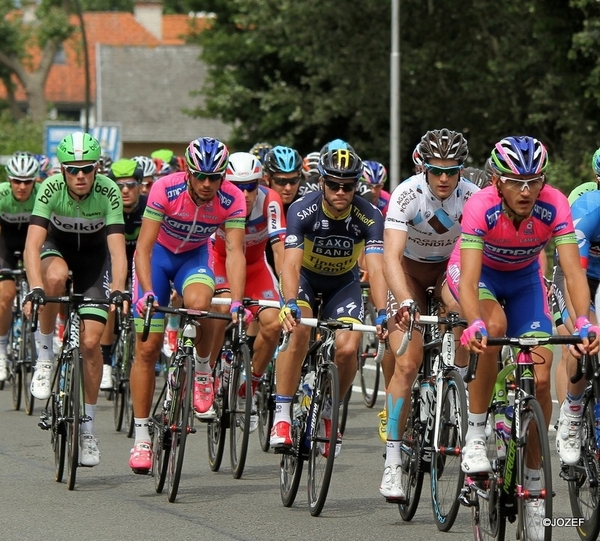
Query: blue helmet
pixel 260 150
pixel 519 155
pixel 207 155
pixel 374 173
pixel 336 144
pixel 282 160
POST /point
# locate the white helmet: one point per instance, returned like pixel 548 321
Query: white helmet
pixel 146 164
pixel 22 165
pixel 243 167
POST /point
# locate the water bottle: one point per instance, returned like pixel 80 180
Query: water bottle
pixel 226 359
pixel 508 419
pixel 170 385
pixel 597 423
pixel 17 327
pixel 426 400
pixel 500 418
pixel 307 387
pixel 63 376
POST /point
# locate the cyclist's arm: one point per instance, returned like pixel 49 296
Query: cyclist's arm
pixel 575 279
pixel 278 252
pixel 36 235
pixel 394 242
pixel 118 260
pixel 235 261
pixel 468 285
pixel 143 252
pixel 290 272
pixel 377 282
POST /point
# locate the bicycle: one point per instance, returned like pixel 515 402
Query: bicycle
pixel 584 477
pixel 370 371
pixel 122 356
pixel 231 371
pixel 21 343
pixel 437 420
pixel 173 418
pixel 65 408
pixel 265 405
pixel 503 494
pixel 317 395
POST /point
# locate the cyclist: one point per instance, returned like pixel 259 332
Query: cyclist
pixel 104 164
pixel 421 228
pixel 375 176
pixel 504 229
pixel 183 210
pixel 260 150
pixel 265 223
pixel 16 203
pixel 326 233
pixel 148 168
pixel 45 167
pixel 77 225
pixel 310 171
pixel 127 175
pixel 283 166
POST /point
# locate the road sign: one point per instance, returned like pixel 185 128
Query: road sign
pixel 109 137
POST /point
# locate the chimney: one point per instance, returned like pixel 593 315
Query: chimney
pixel 149 14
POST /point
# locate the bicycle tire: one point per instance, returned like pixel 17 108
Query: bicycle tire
pixel 118 391
pixel 217 427
pixel 28 357
pixel 447 477
pixel 534 440
pixel 583 495
pixel 73 388
pixel 291 463
pixel 265 408
pixel 161 442
pixel 58 434
pixel 239 421
pixel 489 521
pixel 411 458
pixel 343 416
pixel 320 467
pixel 15 376
pixel 370 371
pixel 180 422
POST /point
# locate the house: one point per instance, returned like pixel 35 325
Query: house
pixel 142 75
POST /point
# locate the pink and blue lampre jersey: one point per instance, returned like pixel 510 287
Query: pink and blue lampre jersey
pixel 486 226
pixel 383 202
pixel 185 225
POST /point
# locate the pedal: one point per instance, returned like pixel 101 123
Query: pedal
pixel 397 500
pixel 567 473
pixel 465 499
pixel 45 422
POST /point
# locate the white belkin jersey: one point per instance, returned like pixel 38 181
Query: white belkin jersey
pixel 433 225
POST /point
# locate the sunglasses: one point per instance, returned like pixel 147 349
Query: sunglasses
pixel 74 169
pixel 516 184
pixel 280 181
pixel 147 183
pixel 129 184
pixel 21 180
pixel 336 186
pixel 247 186
pixel 212 177
pixel 437 171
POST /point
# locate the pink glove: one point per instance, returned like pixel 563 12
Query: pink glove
pixel 478 326
pixel 140 305
pixel 248 317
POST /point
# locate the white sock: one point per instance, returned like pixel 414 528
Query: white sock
pixel 202 364
pixel 46 347
pixel 476 428
pixel 142 434
pixel 533 479
pixel 4 344
pixel 393 457
pixel 88 426
pixel 282 409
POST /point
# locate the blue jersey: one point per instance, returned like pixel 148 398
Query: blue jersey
pixel 586 219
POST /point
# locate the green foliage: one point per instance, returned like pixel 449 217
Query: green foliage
pixel 22 134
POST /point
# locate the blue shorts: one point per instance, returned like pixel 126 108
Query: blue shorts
pixel 178 269
pixel 522 294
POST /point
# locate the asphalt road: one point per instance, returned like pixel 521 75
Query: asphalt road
pixel 111 503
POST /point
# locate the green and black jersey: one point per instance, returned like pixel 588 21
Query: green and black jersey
pixel 14 217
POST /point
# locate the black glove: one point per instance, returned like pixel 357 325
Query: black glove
pixel 36 295
pixel 119 297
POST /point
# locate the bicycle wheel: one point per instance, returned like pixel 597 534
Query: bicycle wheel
pixel 118 390
pixel 489 521
pixel 15 376
pixel 536 505
pixel 161 441
pixel 57 427
pixel 73 389
pixel 28 357
pixel 343 416
pixel 447 477
pixel 290 465
pixel 584 489
pixel 240 410
pixel 217 427
pixel 265 408
pixel 411 454
pixel 321 455
pixel 370 371
pixel 180 421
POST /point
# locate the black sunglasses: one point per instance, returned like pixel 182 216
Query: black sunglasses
pixel 129 184
pixel 21 180
pixel 280 181
pixel 74 169
pixel 247 186
pixel 438 171
pixel 336 186
pixel 212 177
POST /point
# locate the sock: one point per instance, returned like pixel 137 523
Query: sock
pixel 4 344
pixel 476 428
pixel 46 348
pixel 142 434
pixel 392 453
pixel 533 479
pixel 282 409
pixel 88 426
pixel 255 381
pixel 202 364
pixel 572 405
pixel 393 411
pixel 106 357
pixel 462 370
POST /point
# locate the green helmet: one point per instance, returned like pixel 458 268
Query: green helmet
pixel 125 168
pixel 596 162
pixel 78 146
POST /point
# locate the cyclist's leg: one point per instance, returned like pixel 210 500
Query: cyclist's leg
pixel 8 290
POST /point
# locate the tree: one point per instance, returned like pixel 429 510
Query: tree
pixel 18 35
